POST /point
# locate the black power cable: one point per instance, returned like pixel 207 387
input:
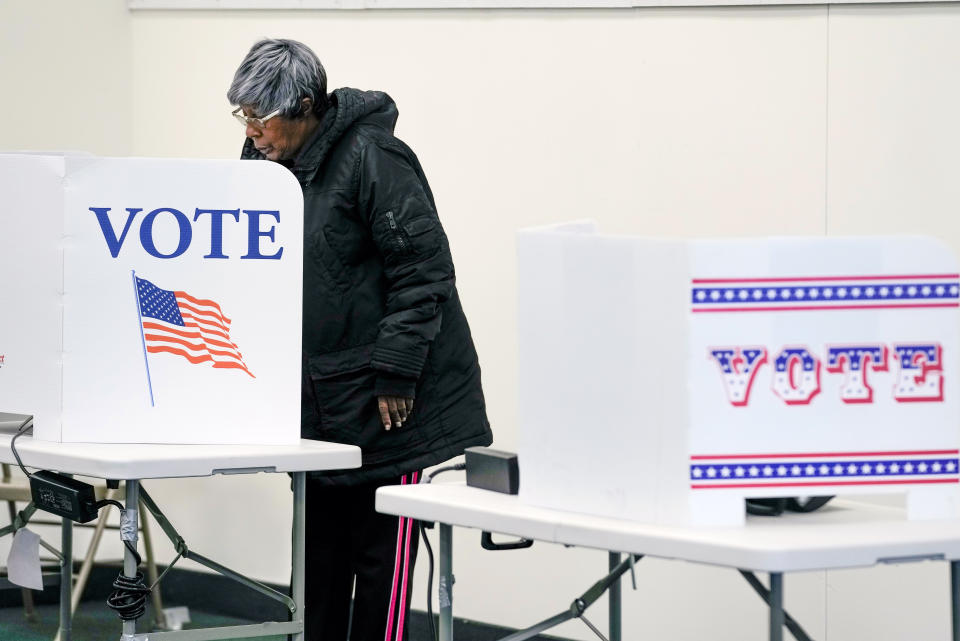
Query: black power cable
pixel 426 542
pixel 26 425
pixel 129 596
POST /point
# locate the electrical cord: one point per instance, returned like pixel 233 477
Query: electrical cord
pixel 457 467
pixel 26 425
pixel 426 542
pixel 129 596
pixel 116 504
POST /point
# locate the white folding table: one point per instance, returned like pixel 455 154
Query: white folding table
pixel 132 463
pixel 843 534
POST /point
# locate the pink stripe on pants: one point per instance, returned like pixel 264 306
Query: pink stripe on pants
pixel 396 571
pixel 406 572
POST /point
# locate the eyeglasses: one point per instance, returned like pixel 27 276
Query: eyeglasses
pixel 259 123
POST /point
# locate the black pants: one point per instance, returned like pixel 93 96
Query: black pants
pixel 351 548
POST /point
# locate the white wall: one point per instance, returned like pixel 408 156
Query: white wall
pixel 65 76
pixel 687 122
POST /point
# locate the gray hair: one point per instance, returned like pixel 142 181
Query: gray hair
pixel 278 74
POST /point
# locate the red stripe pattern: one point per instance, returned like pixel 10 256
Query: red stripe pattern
pixel 804 279
pixel 174 322
pixel 824 470
pixel 824 293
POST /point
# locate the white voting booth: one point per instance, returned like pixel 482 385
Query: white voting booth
pixel 151 301
pixel 665 381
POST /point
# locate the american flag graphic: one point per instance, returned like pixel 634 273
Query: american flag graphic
pixel 175 322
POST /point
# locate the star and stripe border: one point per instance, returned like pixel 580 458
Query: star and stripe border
pixel 825 293
pixel 907 467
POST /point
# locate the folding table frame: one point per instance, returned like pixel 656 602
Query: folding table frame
pixel 848 535
pixel 134 462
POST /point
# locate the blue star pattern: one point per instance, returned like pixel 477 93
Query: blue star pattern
pixel 158 303
pixel 724 358
pixel 738 367
pixel 848 468
pixel 807 360
pixel 834 293
pixel 908 355
pixel 854 355
pixel 920 376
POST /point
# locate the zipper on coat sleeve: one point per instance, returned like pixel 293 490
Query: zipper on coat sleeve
pixel 401 243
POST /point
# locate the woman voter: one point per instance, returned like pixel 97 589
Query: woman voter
pixel 388 361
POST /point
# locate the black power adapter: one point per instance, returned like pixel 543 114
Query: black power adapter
pixel 63 496
pixel 56 493
pixel 75 500
pixel 492 470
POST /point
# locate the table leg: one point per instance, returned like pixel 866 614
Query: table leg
pixel 299 549
pixel 66 580
pixel 129 561
pixel 446 582
pixel 84 574
pixel 955 597
pixel 615 618
pixel 159 619
pixel 776 606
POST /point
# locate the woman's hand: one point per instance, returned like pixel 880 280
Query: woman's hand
pixel 394 410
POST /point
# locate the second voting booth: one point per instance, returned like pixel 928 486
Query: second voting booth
pixel 667 381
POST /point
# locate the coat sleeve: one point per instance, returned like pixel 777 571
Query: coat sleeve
pixel 417 266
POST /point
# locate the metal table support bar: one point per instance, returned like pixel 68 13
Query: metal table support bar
pixel 580 604
pixel 66 580
pixel 534 630
pixel 776 606
pixel 615 601
pixel 297 581
pixel 955 598
pixel 183 550
pixel 798 632
pixel 129 560
pixel 20 521
pixel 239 578
pixel 158 616
pixel 446 582
pixel 268 629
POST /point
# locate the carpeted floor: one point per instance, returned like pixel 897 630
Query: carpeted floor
pixel 92 622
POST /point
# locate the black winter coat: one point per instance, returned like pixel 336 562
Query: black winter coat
pixel 381 314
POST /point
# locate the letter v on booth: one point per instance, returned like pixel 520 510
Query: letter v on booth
pixel 260 227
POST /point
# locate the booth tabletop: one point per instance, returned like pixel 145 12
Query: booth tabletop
pixel 843 534
pixel 145 461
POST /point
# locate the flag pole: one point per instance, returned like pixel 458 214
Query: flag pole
pixel 143 340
